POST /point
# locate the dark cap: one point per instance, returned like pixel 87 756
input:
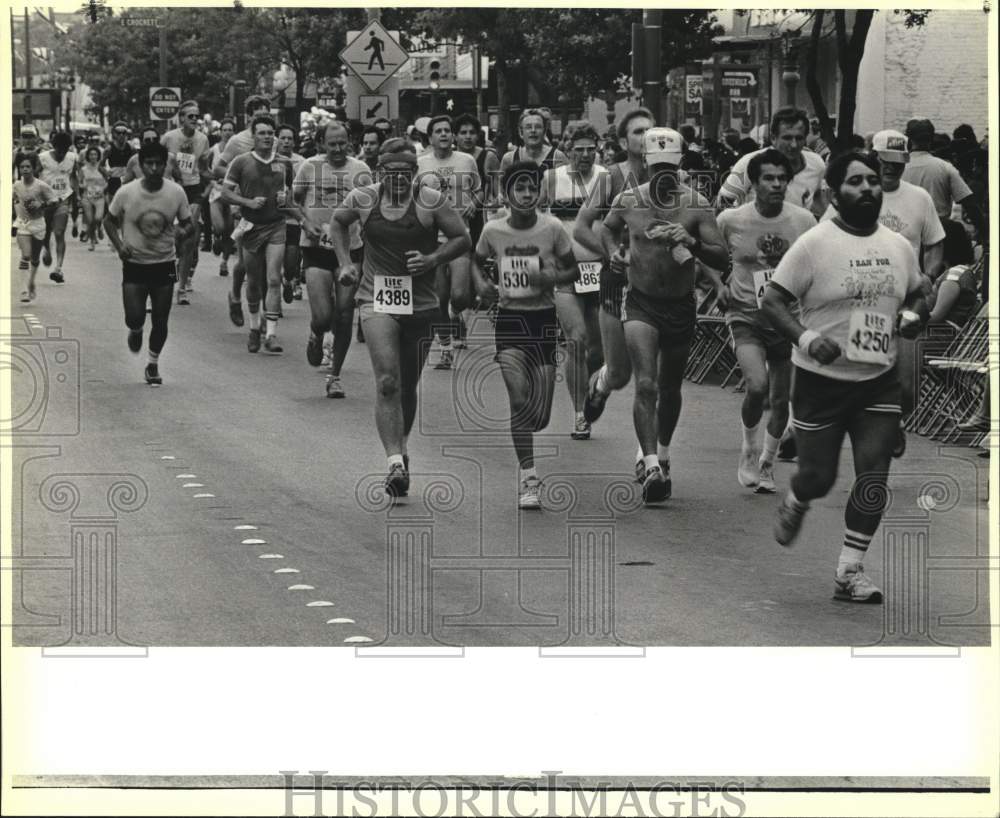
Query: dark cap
pixel 917 128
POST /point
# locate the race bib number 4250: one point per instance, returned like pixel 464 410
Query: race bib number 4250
pixel 869 337
pixel 590 277
pixel 515 273
pixel 393 295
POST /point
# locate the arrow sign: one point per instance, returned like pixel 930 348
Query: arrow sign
pixel 371 112
pixel 738 83
pixel 372 106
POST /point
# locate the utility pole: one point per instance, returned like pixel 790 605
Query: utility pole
pixel 652 75
pixel 27 66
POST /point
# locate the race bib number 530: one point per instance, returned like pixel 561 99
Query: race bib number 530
pixel 515 272
pixel 869 337
pixel 393 295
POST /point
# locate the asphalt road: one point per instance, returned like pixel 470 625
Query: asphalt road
pixel 235 449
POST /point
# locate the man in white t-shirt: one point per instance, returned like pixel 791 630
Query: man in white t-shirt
pixel 789 128
pixel 858 285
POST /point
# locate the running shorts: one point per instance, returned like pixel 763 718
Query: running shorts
pixel 535 332
pixel 161 274
pixel 776 347
pixel 612 292
pixel 673 318
pixel 194 193
pixel 259 235
pixel 293 232
pixel 326 259
pixel 820 403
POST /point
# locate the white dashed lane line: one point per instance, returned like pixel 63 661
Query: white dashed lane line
pixel 301 588
pixel 253 541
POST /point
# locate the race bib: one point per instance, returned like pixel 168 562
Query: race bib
pixel 95 193
pixel 514 276
pixel 590 277
pixel 60 184
pixel 869 337
pixel 760 279
pixel 393 294
pixel 186 163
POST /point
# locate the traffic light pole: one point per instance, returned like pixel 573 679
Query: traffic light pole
pixel 652 74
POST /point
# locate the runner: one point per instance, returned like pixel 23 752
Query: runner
pixel 116 158
pixel 133 168
pixel 858 284
pixel 190 147
pixel 144 212
pixel 455 174
pixel 669 226
pixel 758 234
pixel 291 286
pixel 616 371
pixel 31 198
pixel 58 171
pixel 93 185
pixel 908 210
pixel 259 182
pixel 789 127
pixel 321 185
pixel 371 139
pixel 468 134
pixel 566 190
pixel 532 254
pixel 532 125
pixel 396 296
pixel 79 146
pixel 221 213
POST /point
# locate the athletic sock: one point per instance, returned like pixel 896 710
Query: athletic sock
pixel 662 452
pixel 272 326
pixel 579 417
pixel 395 459
pixel 154 357
pixel 651 461
pixel 749 436
pixel 855 548
pixel 255 320
pixel 770 450
pixel 602 380
pixel 529 473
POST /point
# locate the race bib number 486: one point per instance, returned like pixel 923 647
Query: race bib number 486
pixel 515 272
pixel 393 295
pixel 869 337
pixel 590 277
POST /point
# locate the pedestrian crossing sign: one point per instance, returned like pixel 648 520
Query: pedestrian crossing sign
pixel 373 55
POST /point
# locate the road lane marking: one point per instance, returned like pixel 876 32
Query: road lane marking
pixel 185 476
pixel 244 528
pixel 253 541
pixel 286 570
pixel 167 457
pixel 202 495
pixel 193 486
pixel 271 557
pixel 301 588
pixel 340 621
pixel 353 639
pixel 319 603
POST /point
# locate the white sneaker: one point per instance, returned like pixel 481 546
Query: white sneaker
pixel 852 585
pixel 748 473
pixel 530 493
pixel 766 484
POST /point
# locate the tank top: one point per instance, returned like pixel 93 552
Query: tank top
pixel 94 183
pixel 386 244
pixel 570 195
pixel 56 174
pixel 547 163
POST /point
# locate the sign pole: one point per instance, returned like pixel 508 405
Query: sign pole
pixel 27 66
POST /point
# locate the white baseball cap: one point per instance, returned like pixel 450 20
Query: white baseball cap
pixel 420 125
pixel 662 145
pixel 890 146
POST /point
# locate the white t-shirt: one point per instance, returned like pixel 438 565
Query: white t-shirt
pixel 325 188
pixel 57 174
pixel 909 211
pixel 148 219
pixel 456 176
pixel 569 193
pixel 802 186
pixel 29 204
pixel 850 288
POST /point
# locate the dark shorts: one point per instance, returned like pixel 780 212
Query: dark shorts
pixel 776 347
pixel 293 233
pixel 326 259
pixel 612 293
pixel 194 193
pixel 163 274
pixel 260 235
pixel 416 332
pixel 673 318
pixel 820 403
pixel 535 332
pixel 114 183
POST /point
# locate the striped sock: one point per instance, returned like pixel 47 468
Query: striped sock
pixel 154 357
pixel 855 548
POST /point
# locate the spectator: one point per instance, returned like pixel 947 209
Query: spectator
pixel 956 294
pixel 746 145
pixel 815 142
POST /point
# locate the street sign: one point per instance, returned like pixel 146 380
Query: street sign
pixel 374 55
pixel 360 103
pixel 738 81
pixel 692 89
pixel 164 102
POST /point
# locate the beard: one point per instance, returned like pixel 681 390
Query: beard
pixel 154 183
pixel 862 213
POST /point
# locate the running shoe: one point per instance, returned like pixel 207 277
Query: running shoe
pixel 91 248
pixel 593 405
pixel 766 484
pixel 788 522
pixel 253 342
pixel 297 291
pixel 235 311
pixel 788 450
pixel 397 482
pixel 25 298
pixel 287 291
pixel 206 246
pixel 135 340
pixel 182 297
pixel 223 269
pixel 271 345
pixel 640 471
pixel 75 231
pixel 153 375
pixel 665 468
pixel 314 350
pixel 446 360
pixel 748 473
pixel 334 388
pixel 581 430
pixel 217 246
pixel 654 487
pixel 852 585
pixel 530 496
pixel 899 447
pixel 31 292
pixel 57 277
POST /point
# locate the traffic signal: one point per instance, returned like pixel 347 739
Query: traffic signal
pixel 435 75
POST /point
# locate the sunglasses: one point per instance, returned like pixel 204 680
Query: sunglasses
pixel 192 116
pixel 120 133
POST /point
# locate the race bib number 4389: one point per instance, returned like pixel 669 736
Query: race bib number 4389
pixel 590 277
pixel 869 337
pixel 515 272
pixel 393 295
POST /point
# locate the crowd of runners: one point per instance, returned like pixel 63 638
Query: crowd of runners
pixel 827 267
